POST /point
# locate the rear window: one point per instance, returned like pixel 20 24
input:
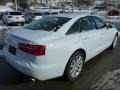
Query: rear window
pixel 47 13
pixel 15 13
pixel 37 14
pixel 47 23
pixel 54 13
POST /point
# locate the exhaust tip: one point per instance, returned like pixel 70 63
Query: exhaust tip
pixel 32 79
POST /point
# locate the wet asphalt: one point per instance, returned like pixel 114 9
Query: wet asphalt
pixel 109 60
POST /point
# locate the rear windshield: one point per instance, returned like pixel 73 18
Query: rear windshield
pixel 53 13
pixel 47 23
pixel 37 14
pixel 47 13
pixel 15 13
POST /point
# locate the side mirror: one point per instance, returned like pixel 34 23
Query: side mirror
pixel 109 25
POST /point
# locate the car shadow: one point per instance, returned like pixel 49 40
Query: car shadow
pixel 10 76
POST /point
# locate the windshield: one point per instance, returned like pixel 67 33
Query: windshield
pixel 47 23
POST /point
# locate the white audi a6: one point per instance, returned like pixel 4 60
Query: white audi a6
pixel 58 45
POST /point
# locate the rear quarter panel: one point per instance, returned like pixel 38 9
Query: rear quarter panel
pixel 59 51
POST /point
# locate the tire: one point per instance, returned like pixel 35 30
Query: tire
pixel 114 43
pixel 30 20
pixel 22 24
pixel 8 24
pixel 74 66
pixel 4 22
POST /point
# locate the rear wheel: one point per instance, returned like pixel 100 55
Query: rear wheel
pixel 114 44
pixel 74 66
pixel 22 23
pixel 4 22
pixel 30 20
pixel 8 24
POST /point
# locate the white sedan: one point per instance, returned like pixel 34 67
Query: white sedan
pixel 13 17
pixel 58 45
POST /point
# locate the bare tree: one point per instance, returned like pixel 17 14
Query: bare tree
pixel 23 4
pixel 84 2
pixel 2 1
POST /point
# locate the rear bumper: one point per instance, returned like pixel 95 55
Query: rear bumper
pixel 16 21
pixel 40 72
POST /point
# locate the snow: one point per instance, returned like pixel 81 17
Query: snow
pixel 112 20
pixel 1 27
pixel 110 81
pixel 4 8
pixel 98 2
pixel 115 19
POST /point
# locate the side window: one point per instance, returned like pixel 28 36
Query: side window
pixel 92 24
pixel 85 25
pixel 74 28
pixel 99 22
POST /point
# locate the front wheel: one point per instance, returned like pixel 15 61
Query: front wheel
pixel 74 66
pixel 114 44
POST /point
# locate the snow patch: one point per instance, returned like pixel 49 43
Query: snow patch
pixel 112 20
pixel 111 81
pixel 1 27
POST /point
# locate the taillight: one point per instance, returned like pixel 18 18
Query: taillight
pixel 9 16
pixel 37 50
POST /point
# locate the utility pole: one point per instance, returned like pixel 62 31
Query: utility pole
pixel 41 1
pixel 72 6
pixel 16 6
pixel 50 6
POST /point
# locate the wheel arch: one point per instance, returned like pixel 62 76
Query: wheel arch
pixel 82 51
pixel 78 50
